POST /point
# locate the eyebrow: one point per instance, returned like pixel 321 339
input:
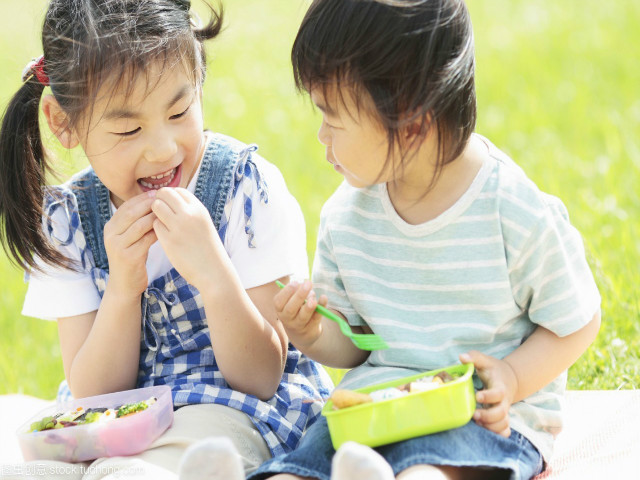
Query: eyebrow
pixel 121 113
pixel 327 109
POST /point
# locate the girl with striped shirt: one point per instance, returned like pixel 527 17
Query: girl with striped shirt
pixel 437 242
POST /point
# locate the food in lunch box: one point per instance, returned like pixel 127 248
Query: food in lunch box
pixel 80 416
pixel 347 398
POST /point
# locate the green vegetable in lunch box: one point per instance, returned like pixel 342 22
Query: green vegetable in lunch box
pixel 130 408
pixel 46 423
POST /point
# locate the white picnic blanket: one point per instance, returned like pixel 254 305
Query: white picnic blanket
pixel 601 438
pixel 15 410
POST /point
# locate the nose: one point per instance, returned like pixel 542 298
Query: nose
pixel 161 147
pixel 324 134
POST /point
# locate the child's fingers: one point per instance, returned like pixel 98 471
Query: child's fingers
pixel 137 230
pixel 147 240
pixel 129 212
pixel 481 362
pixel 494 414
pixel 311 304
pixel 501 428
pixel 465 358
pixel 186 195
pixel 324 300
pixel 283 296
pixel 490 396
pixel 295 303
pixel 163 211
pixel 171 197
pixel 162 232
pixel 479 359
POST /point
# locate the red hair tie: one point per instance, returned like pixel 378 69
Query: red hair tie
pixel 36 68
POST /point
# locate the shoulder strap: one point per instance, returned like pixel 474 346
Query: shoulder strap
pixel 215 177
pixel 94 207
pixel 226 165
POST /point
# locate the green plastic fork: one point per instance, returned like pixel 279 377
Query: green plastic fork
pixel 364 341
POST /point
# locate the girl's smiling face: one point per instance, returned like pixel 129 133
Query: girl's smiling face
pixel 147 137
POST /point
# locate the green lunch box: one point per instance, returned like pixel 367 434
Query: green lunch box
pixel 447 406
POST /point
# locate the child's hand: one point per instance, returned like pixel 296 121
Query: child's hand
pixel 500 386
pixel 295 305
pixel 188 236
pixel 127 238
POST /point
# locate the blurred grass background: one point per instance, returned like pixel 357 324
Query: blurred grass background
pixel 558 90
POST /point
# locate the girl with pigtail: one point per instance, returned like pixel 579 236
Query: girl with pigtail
pixel 158 261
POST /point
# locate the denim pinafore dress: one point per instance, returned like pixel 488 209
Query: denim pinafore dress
pixel 175 346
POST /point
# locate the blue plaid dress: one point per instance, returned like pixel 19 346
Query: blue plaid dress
pixel 175 348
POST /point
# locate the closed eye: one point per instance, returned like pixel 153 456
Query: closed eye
pixel 129 133
pixel 178 115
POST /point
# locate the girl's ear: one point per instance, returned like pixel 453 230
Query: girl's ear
pixel 58 122
pixel 412 130
pixel 417 127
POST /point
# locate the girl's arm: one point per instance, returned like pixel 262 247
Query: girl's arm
pixel 544 356
pixel 101 349
pixel 534 364
pixel 249 342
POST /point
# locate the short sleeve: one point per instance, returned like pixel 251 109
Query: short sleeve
pixel 551 278
pixel 279 232
pixel 326 277
pixel 56 292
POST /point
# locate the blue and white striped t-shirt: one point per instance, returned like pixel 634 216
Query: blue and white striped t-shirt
pixel 482 275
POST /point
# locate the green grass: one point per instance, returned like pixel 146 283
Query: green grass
pixel 557 90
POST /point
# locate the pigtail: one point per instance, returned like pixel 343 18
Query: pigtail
pixel 23 167
pixel 202 33
pixel 211 29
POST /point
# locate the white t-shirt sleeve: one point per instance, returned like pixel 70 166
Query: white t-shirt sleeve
pixel 280 235
pixel 57 292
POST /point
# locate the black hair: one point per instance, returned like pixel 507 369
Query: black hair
pixel 86 43
pixel 413 58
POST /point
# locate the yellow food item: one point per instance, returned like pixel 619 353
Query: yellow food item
pixel 348 398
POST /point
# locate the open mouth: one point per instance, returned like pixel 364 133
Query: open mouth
pixel 170 178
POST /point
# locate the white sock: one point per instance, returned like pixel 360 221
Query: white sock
pixel 214 458
pixel 355 461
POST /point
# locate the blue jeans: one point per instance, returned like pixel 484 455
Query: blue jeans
pixel 469 446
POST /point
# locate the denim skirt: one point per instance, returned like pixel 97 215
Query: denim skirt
pixel 467 446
